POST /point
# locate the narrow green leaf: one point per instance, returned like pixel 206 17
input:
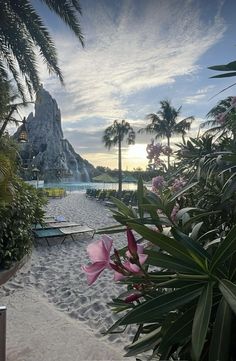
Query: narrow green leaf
pixel 177 332
pixel 182 191
pixel 165 261
pixel 145 343
pixel 225 249
pixel 122 207
pixel 155 199
pixel 152 310
pixel 183 211
pixel 220 340
pixel 168 244
pixel 225 75
pixel 228 191
pixel 195 231
pixel 201 321
pixel 194 247
pixel 228 290
pixel 199 216
pixel 225 67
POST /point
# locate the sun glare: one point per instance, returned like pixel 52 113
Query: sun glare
pixel 136 156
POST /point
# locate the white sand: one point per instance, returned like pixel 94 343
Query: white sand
pixel 54 282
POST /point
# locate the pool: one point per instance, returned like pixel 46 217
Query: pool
pixel 82 186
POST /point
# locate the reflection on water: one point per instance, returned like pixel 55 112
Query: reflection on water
pixel 82 186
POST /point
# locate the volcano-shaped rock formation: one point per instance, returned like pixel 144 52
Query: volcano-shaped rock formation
pixel 47 149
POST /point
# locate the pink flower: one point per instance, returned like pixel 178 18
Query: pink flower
pixel 132 245
pixel 157 183
pixel 133 297
pixel 99 253
pixel 178 184
pixel 129 266
pixel 174 212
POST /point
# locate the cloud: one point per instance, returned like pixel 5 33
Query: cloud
pixel 132 48
pixel 201 94
pixel 147 44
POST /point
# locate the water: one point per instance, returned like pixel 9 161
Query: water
pixel 82 186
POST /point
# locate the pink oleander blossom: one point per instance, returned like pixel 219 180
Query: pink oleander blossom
pixel 99 254
pixel 129 267
pixel 132 245
pixel 133 297
pixel 154 150
pixel 174 212
pixel 157 183
pixel 178 184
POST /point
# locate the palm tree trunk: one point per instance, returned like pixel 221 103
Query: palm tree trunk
pixel 168 156
pixel 119 166
pixel 2 130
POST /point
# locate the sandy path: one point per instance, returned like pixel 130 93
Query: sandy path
pixel 54 282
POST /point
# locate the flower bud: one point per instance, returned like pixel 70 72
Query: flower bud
pixel 133 297
pixel 132 245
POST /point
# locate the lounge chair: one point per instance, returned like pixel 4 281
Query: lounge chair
pixel 52 229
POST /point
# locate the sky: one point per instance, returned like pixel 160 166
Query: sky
pixel 137 53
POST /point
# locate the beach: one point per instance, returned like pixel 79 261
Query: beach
pixel 52 314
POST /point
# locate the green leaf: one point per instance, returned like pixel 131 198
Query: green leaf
pixel 226 67
pixel 177 332
pixel 229 188
pixel 195 231
pixel 144 343
pixel 228 290
pixel 122 207
pixel 199 216
pixel 155 199
pixel 195 249
pixel 152 310
pixel 225 75
pixel 165 261
pixel 182 191
pixel 201 321
pixel 183 211
pixel 225 249
pixel 168 244
pixel 220 340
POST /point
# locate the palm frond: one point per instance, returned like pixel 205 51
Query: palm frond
pixel 67 10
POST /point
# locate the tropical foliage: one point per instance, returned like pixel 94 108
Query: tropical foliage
pixel 114 136
pixel 164 123
pixel 179 264
pixel 22 32
pixel 16 220
pixel 20 206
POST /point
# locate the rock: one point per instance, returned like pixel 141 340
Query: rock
pixel 47 149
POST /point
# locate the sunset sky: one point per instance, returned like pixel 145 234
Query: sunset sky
pixel 138 52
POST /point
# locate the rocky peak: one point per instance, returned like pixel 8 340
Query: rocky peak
pixel 47 149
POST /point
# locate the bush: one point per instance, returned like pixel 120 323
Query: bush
pixel 16 219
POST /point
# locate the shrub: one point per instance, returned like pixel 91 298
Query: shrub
pixel 181 298
pixel 16 219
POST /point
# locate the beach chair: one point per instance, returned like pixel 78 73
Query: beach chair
pixel 63 229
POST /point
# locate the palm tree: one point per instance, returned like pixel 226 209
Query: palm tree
pixel 114 135
pixel 164 123
pixel 221 119
pixel 22 31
